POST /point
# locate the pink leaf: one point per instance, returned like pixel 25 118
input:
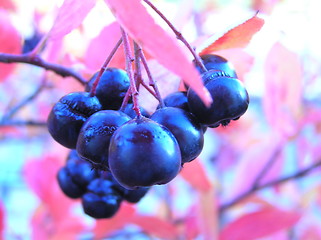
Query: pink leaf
pixel 140 25
pixel 194 173
pixel 104 227
pixel 100 47
pixel 1 220
pixel 10 42
pixel 283 91
pixel 155 226
pixel 70 15
pixel 7 4
pixel 259 224
pixel 237 37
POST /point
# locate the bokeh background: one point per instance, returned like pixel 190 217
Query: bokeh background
pixel 257 178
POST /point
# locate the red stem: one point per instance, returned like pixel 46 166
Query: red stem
pixel 129 69
pixel 179 36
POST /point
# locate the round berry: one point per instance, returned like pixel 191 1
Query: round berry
pixel 176 99
pixel 186 129
pixel 130 111
pixel 216 62
pixel 101 200
pixel 143 153
pixel 112 87
pixel 230 101
pixel 69 114
pixel 95 135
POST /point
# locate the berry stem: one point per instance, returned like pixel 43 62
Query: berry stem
pixel 36 60
pixel 129 69
pixel 152 82
pixel 179 36
pixel 104 67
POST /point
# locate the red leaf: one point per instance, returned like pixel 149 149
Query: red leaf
pixel 237 37
pixel 140 25
pixel 70 15
pixel 104 227
pixel 7 4
pixel 10 42
pixel 259 224
pixel 101 46
pixel 194 173
pixel 1 220
pixel 282 100
pixel 155 226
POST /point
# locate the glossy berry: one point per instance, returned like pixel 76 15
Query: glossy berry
pixel 74 177
pixel 95 135
pixel 101 200
pixel 230 101
pixel 112 87
pixel 176 99
pixel 143 153
pixel 69 114
pixel 132 196
pixel 130 111
pixel 186 129
pixel 216 62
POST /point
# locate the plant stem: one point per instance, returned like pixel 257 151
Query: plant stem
pixel 296 175
pixel 129 69
pixel 151 79
pixel 38 61
pixel 179 36
pixel 104 67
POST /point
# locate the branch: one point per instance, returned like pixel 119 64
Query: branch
pixel 297 175
pixel 179 36
pixel 38 61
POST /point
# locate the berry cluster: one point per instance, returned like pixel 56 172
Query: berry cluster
pixel 100 194
pixel 136 151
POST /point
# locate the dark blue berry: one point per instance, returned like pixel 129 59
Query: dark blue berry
pixel 186 129
pixel 230 101
pixel 95 134
pixel 130 111
pixel 69 114
pixel 101 200
pixel 143 153
pixel 176 99
pixel 112 87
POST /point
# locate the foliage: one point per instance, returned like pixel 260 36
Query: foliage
pixel 256 178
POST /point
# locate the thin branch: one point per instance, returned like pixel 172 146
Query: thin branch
pixel 104 67
pixel 129 69
pixel 23 123
pixel 179 36
pixel 297 175
pixel 38 61
pixel 151 79
pixel 24 102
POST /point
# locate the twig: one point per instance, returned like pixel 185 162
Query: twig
pixel 38 61
pixel 297 175
pixel 129 69
pixel 24 102
pixel 151 79
pixel 179 36
pixel 23 123
pixel 103 68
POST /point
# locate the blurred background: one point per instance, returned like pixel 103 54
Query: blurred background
pixel 257 178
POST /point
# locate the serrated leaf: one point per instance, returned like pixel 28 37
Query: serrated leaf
pixel 141 26
pixel 70 15
pixel 237 37
pixel 259 224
